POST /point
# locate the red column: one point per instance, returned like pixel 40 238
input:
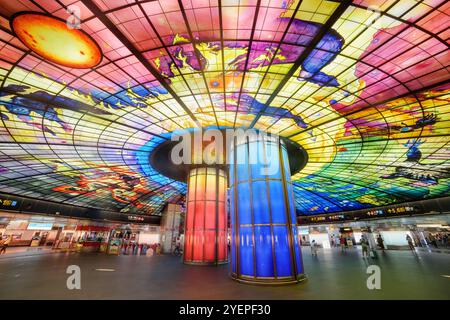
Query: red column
pixel 206 217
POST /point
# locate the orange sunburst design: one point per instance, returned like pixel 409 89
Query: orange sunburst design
pixel 52 39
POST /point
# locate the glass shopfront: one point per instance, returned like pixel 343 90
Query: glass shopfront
pixel 30 232
pixel 429 233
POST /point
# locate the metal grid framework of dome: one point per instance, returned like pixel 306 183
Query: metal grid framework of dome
pixel 363 86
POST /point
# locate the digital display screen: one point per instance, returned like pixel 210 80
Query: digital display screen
pixel 39 226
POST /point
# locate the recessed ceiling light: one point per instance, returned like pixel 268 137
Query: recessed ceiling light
pixel 105 270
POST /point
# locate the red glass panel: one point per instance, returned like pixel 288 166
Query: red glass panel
pixel 205 217
pixel 210 245
pixel 199 220
pixel 198 245
pixel 210 215
pixel 190 215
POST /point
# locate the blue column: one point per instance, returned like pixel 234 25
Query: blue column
pixel 265 247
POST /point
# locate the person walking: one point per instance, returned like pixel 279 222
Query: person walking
pixel 144 249
pixel 445 240
pixel 153 247
pixel 314 248
pixel 432 240
pixel 5 244
pixel 365 247
pixel 410 242
pixel 380 242
pixel 342 243
pixel 158 249
pixel 177 250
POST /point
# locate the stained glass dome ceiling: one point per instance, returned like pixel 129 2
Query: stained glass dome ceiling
pixel 363 86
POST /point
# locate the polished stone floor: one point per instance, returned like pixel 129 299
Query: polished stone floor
pixel 330 276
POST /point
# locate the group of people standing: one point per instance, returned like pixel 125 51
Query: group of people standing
pixel 438 238
pixel 141 249
pixel 344 242
pixel 367 249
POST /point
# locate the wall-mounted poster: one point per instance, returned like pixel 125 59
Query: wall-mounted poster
pixel 114 246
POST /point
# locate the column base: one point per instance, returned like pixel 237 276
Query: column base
pixel 202 263
pixel 269 281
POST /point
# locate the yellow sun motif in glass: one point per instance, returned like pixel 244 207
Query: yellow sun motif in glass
pixel 52 39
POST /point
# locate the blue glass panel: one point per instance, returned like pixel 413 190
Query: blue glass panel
pixel 264 258
pixel 297 251
pixel 231 175
pixel 291 203
pixel 233 251
pixel 264 161
pixel 246 251
pixel 287 169
pixel 242 163
pixel 277 203
pixel 255 160
pixel 272 161
pixel 242 172
pixel 231 206
pixel 257 171
pixel 260 208
pixel 282 252
pixel 244 210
